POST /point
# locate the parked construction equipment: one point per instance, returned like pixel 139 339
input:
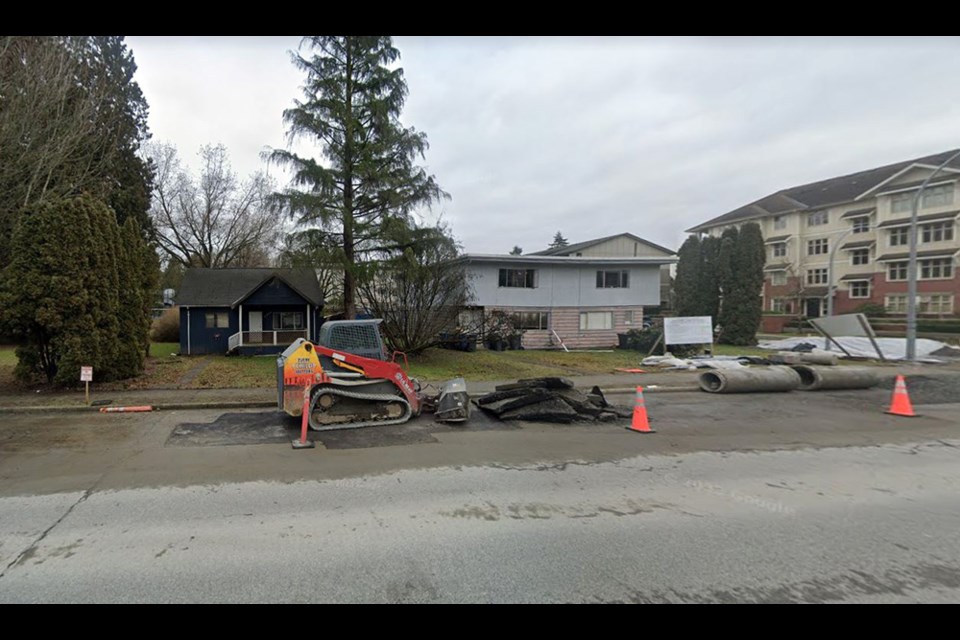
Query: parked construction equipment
pixel 351 384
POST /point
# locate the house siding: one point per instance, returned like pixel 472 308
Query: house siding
pixel 203 340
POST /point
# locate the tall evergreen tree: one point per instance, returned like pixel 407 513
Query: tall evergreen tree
pixel 516 251
pixel 746 289
pixel 726 276
pixel 138 278
pixel 559 241
pixel 353 97
pixel 685 284
pixel 708 282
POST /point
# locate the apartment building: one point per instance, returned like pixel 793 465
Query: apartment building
pixel 862 219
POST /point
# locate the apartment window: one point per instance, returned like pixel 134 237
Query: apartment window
pixel 596 320
pixel 534 320
pixel 936 269
pixel 861 225
pixel 899 237
pixel 936 232
pixel 817 247
pixel 291 321
pixel 895 304
pixel 860 289
pixel 860 256
pixel 778 305
pixel 817 276
pixel 901 203
pixel 518 278
pixel 217 320
pixel 896 271
pixel 817 218
pixel 779 223
pixel 780 250
pixel 778 278
pixel 938 196
pixel 612 280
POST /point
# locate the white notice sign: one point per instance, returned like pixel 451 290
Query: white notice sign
pixel 86 374
pixel 688 330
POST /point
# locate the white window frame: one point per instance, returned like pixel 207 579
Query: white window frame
pixel 511 274
pixel 858 284
pixel 818 247
pixel 779 250
pixel 542 321
pixel 779 223
pixel 860 256
pixel 901 267
pixel 818 218
pixel 895 303
pixel 901 235
pixel 778 278
pixel 590 319
pixel 777 305
pixel 935 269
pixel 816 276
pixel 938 196
pixel 613 279
pixel 861 224
pixel 901 202
pixel 930 231
pixel 298 323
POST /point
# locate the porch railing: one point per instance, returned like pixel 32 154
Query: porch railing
pixel 263 338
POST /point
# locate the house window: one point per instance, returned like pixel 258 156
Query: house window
pixel 939 303
pixel 860 289
pixel 817 218
pixel 861 225
pixel 896 271
pixel 532 320
pixel 217 320
pixel 901 203
pixel 596 320
pixel 780 250
pixel 936 269
pixel 938 196
pixel 778 305
pixel 291 321
pixel 779 223
pixel 817 247
pixel 860 256
pixel 778 278
pixel 899 236
pixel 518 278
pixel 628 317
pixel 817 276
pixel 612 280
pixel 936 232
pixel 895 304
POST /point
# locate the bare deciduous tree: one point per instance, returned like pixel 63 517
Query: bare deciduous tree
pixel 216 220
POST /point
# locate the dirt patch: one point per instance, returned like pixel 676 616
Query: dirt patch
pixel 70 431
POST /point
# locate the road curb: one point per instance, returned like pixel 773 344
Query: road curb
pixel 255 404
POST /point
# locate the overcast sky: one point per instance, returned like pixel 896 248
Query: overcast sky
pixel 592 136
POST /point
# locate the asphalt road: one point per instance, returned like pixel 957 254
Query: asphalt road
pixel 852 524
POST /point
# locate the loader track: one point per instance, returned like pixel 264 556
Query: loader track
pixel 372 397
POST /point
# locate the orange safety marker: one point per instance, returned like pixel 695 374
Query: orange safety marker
pixel 302 442
pixel 900 402
pixel 126 409
pixel 640 423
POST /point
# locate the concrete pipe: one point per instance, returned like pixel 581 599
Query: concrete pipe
pixel 819 357
pixel 826 378
pixel 772 378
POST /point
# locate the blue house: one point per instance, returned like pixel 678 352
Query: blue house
pixel 247 311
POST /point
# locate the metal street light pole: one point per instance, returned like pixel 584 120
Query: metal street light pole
pixel 912 265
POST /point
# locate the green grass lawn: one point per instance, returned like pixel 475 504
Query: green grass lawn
pixel 237 372
pixel 164 349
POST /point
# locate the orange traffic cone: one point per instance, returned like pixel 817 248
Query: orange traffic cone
pixel 640 423
pixel 900 403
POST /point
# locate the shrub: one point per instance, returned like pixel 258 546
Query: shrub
pixel 166 328
pixel 872 310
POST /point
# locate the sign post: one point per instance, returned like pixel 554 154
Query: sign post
pixel 86 376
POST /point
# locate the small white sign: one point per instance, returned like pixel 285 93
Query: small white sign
pixel 688 330
pixel 86 374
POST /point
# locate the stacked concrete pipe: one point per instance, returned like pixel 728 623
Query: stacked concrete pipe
pixel 827 378
pixel 749 380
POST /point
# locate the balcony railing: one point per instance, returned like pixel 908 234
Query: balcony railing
pixel 263 338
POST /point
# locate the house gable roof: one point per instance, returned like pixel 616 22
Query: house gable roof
pixel 580 246
pixel 230 287
pixel 825 192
